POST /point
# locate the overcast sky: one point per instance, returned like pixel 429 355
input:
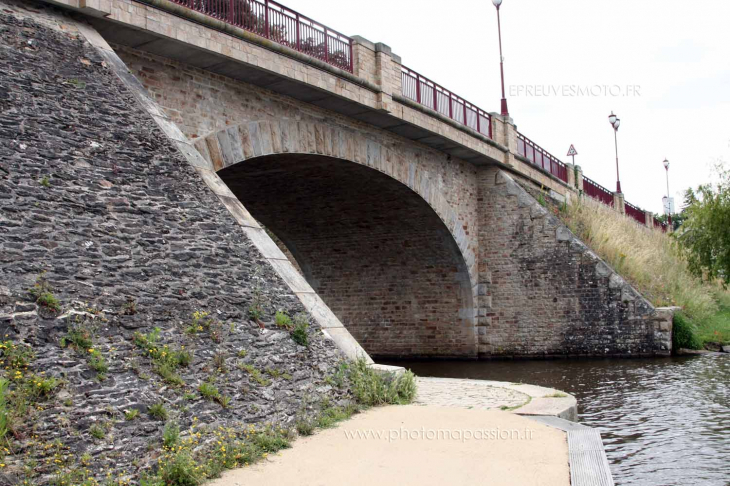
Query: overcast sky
pixel 667 63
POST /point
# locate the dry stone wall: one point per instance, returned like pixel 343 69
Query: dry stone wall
pixel 98 205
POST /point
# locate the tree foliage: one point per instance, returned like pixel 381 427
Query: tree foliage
pixel 705 234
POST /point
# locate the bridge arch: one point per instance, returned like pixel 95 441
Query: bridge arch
pixel 300 179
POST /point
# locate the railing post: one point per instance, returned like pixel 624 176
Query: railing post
pixel 578 178
pixel 451 106
pixel 435 99
pixel 619 202
pixel 266 18
pixel 351 57
pixel 326 47
pixel 230 13
pixel 418 89
pixel 649 219
pixel 479 125
pixel 299 42
pixel 466 124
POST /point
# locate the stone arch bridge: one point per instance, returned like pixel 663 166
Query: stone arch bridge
pixel 397 221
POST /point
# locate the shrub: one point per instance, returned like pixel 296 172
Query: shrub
pixel 4 417
pixel 15 356
pixel 148 341
pixel 255 374
pixel 255 312
pixel 684 334
pixel 256 309
pixel 168 374
pixel 203 322
pixel 97 361
pixel 97 431
pixel 181 470
pixel 219 362
pixel 330 416
pixel 166 360
pixel 38 387
pixel 305 427
pixel 158 411
pixel 130 307
pixel 301 326
pixel 131 414
pixel 41 291
pixel 283 320
pixel 170 434
pixel 372 388
pixel 49 301
pixel 78 337
pixel 209 391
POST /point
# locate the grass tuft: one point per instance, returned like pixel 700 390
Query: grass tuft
pixel 158 411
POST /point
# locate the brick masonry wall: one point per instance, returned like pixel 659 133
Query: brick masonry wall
pixel 546 293
pixel 373 250
pixel 202 103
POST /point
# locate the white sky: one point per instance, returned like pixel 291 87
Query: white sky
pixel 677 53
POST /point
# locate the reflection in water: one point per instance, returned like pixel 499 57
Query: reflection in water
pixel 663 421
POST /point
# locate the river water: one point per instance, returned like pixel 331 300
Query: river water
pixel 663 421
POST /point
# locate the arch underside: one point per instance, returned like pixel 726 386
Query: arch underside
pixel 373 249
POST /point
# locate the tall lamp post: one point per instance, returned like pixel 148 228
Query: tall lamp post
pixel 505 111
pixel 669 201
pixel 615 123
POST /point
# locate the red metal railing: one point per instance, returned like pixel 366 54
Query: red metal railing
pixel 659 224
pixel 541 157
pixel 597 191
pixel 635 213
pixel 427 93
pixel 281 25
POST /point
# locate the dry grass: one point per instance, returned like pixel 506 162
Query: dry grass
pixel 648 259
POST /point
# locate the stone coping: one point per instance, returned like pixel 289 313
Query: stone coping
pixel 519 398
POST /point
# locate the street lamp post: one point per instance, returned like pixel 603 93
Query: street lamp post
pixel 615 123
pixel 669 201
pixel 505 111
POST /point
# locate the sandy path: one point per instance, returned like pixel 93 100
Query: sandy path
pixel 337 457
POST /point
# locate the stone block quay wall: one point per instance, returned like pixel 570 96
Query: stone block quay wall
pixel 546 293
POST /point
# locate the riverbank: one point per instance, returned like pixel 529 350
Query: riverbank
pixel 714 331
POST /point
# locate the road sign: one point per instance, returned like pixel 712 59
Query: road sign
pixel 572 152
